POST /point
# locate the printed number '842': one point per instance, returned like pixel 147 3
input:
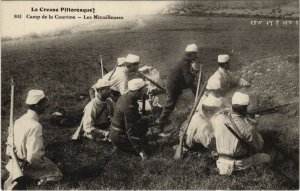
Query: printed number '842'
pixel 19 16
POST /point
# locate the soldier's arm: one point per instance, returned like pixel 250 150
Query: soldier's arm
pixel 35 145
pixel 123 85
pixel 238 80
pixel 252 137
pixel 89 116
pixel 188 75
pixel 110 105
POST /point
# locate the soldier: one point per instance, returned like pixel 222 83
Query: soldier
pixel 98 112
pixel 120 75
pixel 237 140
pixel 128 129
pixel 181 77
pixel 222 81
pixel 29 144
pixel 200 130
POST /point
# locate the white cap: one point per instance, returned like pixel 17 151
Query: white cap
pixel 132 58
pixel 223 58
pixel 213 84
pixel 101 83
pixel 240 99
pixel 191 48
pixel 212 101
pixel 34 96
pixel 121 61
pixel 136 84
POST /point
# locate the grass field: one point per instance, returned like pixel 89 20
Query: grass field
pixel 65 67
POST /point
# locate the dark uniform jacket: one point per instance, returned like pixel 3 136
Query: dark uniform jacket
pixel 181 77
pixel 128 119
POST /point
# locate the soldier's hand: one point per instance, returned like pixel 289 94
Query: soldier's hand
pixel 252 121
pixel 143 155
pixel 194 69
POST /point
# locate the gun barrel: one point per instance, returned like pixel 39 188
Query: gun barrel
pixel 11 119
pixel 157 85
pixel 267 109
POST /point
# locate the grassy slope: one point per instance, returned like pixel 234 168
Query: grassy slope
pixel 65 67
pixel 262 9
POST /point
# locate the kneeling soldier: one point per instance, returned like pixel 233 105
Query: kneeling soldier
pixel 238 142
pixel 98 112
pixel 223 81
pixel 29 144
pixel 128 129
pixel 200 130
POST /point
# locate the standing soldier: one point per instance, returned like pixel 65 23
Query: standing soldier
pixel 98 112
pixel 128 129
pixel 237 140
pixel 119 76
pixel 181 77
pixel 29 144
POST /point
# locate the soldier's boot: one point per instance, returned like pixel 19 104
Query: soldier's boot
pixel 161 128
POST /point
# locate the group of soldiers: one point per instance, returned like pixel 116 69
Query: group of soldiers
pixel 114 114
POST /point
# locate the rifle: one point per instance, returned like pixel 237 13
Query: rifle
pixel 265 110
pixel 16 169
pixel 157 85
pixel 76 135
pixel 101 66
pixel 199 81
pixel 179 151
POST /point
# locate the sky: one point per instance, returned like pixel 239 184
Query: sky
pixel 29 23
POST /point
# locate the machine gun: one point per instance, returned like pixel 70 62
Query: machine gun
pixel 151 81
pixel 266 110
pixel 103 69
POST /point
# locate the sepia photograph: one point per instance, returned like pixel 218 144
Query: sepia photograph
pixel 150 95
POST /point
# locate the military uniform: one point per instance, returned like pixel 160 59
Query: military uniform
pixel 226 80
pixel 232 154
pixel 181 77
pixel 128 129
pixel 97 115
pixel 200 130
pixel 28 140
